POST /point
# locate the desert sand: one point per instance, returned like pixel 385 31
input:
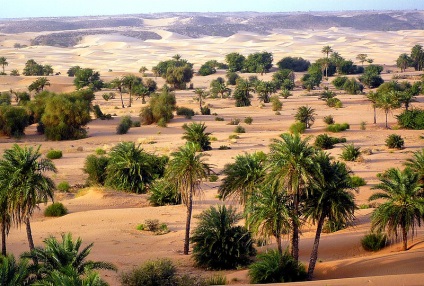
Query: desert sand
pixel 109 218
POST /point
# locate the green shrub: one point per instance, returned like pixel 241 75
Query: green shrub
pixel 187 112
pixel 297 127
pixel 136 123
pixel 224 147
pixel 395 141
pixel 95 168
pixel 152 273
pixel 55 210
pixel 233 136
pixel 239 129
pixel 277 105
pixel 411 119
pixel 351 86
pixel 205 110
pixel 217 279
pixel 152 225
pixel 234 121
pixel 328 119
pixel 331 226
pixel 100 151
pixel 273 267
pixel 325 142
pixel 213 178
pixel 160 109
pixel 163 193
pixel 285 93
pixel 218 243
pixel 374 241
pixel 219 118
pixel 63 186
pixel 195 132
pixel 13 120
pixel 334 102
pixel 356 181
pixel 350 152
pixel 339 81
pixel 363 125
pixel 54 154
pixel 337 127
pixel 248 120
pixel 124 125
pixel 162 123
pixel 140 227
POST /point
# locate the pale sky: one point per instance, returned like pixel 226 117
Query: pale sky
pixel 56 8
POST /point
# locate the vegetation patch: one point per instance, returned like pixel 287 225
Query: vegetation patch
pixel 55 210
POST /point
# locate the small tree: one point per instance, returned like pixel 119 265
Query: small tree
pixel 88 78
pixel 195 133
pixel 39 84
pixel 305 114
pixel 387 102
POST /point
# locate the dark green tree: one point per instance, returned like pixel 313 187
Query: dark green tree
pixel 88 78
pixel 39 84
pixel 195 133
pixel 235 62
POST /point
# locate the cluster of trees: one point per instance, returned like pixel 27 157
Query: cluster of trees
pixel 33 68
pixel 176 71
pixel 415 59
pixel 254 63
pixel 210 67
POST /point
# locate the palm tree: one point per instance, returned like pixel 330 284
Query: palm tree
pixel 177 57
pixel 416 164
pixel 142 70
pixel 69 277
pixel 305 114
pixel 243 176
pixel 292 168
pixel 362 58
pixel 141 91
pixel 187 170
pixel 221 88
pixel 3 62
pixel 64 256
pixel 265 89
pixel 195 133
pixel 329 199
pixel 403 62
pixel 270 213
pixel 22 174
pixel 201 94
pixel 242 93
pixel 39 84
pixel 373 97
pixel 118 84
pixel 326 50
pixel 403 208
pixel 14 273
pixel 388 101
pixel 5 217
pixel 130 82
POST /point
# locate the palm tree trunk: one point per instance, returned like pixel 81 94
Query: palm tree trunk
pixel 314 253
pixel 295 236
pixel 122 100
pixel 375 115
pixel 3 236
pixel 405 239
pixel 129 103
pixel 29 234
pixel 387 126
pixel 188 220
pixel 279 243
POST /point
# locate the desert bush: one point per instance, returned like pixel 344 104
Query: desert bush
pixel 395 141
pixel 219 118
pixel 297 127
pixel 277 105
pixel 163 193
pixel 152 225
pixel 331 226
pixel 55 210
pixel 232 78
pixel 285 93
pixel 13 120
pixel 248 120
pixel 325 142
pixel 374 241
pixel 233 136
pixel 217 279
pixel 339 81
pixel 136 123
pixel 350 152
pixel 213 178
pixel 205 110
pixel 160 109
pixel 218 243
pixel 239 129
pixel 328 119
pixel 187 112
pixel 124 125
pixel 162 123
pixel 274 267
pixel 108 96
pixel 234 121
pixel 337 127
pixel 63 186
pixel 99 114
pixel 363 125
pixel 195 132
pixel 356 182
pixel 54 154
pixel 334 102
pixel 152 273
pixel 351 86
pixel 224 147
pixel 411 119
pixel 95 168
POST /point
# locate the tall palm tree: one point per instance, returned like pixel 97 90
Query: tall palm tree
pixel 242 93
pixel 403 208
pixel 187 170
pixel 330 198
pixel 3 62
pixel 373 97
pixel 5 217
pixel 362 58
pixel 22 172
pixel 416 164
pixel 387 102
pixel 270 213
pixel 195 133
pixel 13 273
pixel 243 176
pixel 305 114
pixel 118 84
pixel 221 88
pixel 64 256
pixel 403 62
pixel 292 168
pixel 326 50
pixel 39 84
pixel 201 94
pixel 142 91
pixel 130 82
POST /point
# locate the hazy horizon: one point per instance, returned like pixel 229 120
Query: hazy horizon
pixel 65 8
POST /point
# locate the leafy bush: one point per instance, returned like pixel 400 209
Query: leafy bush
pixel 331 226
pixel 187 112
pixel 213 178
pixel 339 81
pixel 152 273
pixel 232 78
pixel 297 127
pixel 124 125
pixel 218 243
pixel 63 186
pixel 55 210
pixel 239 129
pixel 351 86
pixel 356 181
pixel 136 123
pixel 350 152
pixel 294 63
pixel 374 241
pixel 395 141
pixel 54 154
pixel 337 127
pixel 217 279
pixel 363 125
pixel 277 105
pixel 219 118
pixel 160 109
pixel 163 193
pixel 411 119
pixel 205 110
pixel 195 132
pixel 224 147
pixel 325 142
pixel 329 119
pixel 233 136
pixel 162 123
pixel 274 267
pixel 334 102
pixel 95 167
pixel 234 121
pixel 248 120
pixel 13 120
pixel 285 93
